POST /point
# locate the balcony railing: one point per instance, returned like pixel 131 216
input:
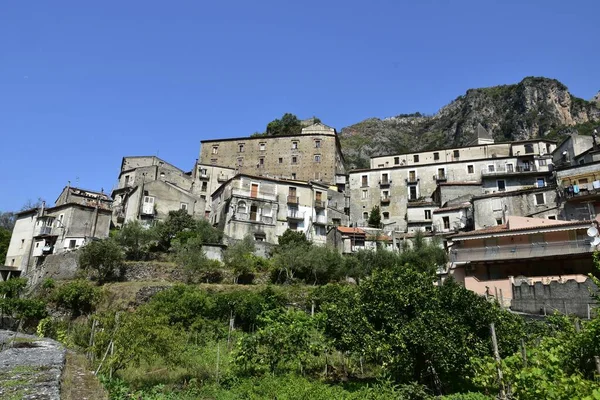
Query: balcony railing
pixel 262 219
pixel 320 220
pixel 295 215
pixel 222 178
pixel 319 203
pixel 385 199
pixel 385 182
pixel 44 230
pixel 204 176
pixel 547 249
pixel 262 195
pixel 412 180
pixel 292 199
pixel 505 170
pixel 440 178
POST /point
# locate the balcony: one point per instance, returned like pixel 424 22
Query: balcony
pixel 204 176
pixel 385 200
pixel 412 180
pixel 507 170
pixel 385 183
pixel 319 203
pixel 440 178
pixel 320 220
pixel 548 249
pixel 254 218
pixel 260 195
pixel 44 230
pixel 222 178
pixel 295 215
pixel 292 199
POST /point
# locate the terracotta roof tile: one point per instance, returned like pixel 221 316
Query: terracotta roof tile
pixel 351 231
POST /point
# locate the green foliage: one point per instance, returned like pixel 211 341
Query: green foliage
pixel 375 217
pixel 297 261
pixel 103 257
pixel 7 220
pixel 19 308
pixel 289 124
pixel 293 238
pixel 12 287
pixel 79 297
pixel 175 223
pixel 5 235
pixel 136 240
pixel 191 257
pixel 240 259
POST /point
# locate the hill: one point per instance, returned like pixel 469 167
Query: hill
pixel 534 107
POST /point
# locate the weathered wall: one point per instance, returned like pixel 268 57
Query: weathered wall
pixel 570 297
pixel 61 266
pixel 21 241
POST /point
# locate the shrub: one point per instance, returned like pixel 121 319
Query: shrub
pixel 102 257
pixel 79 297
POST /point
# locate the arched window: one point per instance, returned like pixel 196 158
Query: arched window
pixel 242 207
pixel 365 215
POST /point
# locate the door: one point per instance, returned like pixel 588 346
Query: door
pixel 253 212
pixel 148 207
pixel 254 190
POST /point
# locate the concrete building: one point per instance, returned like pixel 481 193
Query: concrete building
pixel 266 207
pixel 149 188
pixel 488 260
pixel 578 191
pixel 77 217
pixel 313 155
pixel 207 179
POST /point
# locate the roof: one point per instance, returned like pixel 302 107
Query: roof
pixel 28 211
pixel 482 133
pixel 350 231
pixel 465 183
pixel 271 179
pixel 453 208
pixel 265 137
pixel 548 188
pixel 78 191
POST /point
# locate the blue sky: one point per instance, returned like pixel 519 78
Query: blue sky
pixel 83 84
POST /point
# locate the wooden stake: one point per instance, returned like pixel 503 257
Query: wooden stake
pixel 218 356
pixel 524 353
pixel 597 360
pixel 498 361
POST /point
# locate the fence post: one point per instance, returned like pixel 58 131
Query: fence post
pixel 498 361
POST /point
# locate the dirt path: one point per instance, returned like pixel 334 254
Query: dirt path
pixel 78 382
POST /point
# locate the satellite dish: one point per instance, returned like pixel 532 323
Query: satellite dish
pixel 595 242
pixel 592 231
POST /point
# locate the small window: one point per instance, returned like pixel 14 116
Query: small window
pixel 427 214
pixel 72 244
pixel 241 148
pixel 37 245
pixel 317 158
pixel 294 160
pixel 470 169
pixel 240 162
pixel 386 215
pixel 203 171
pixel 446 222
pixel 203 197
pixel 396 160
pixel 540 182
pixel 412 193
pixel 261 162
pixel 215 149
pixel 365 194
pixel 510 168
pixel 436 156
pixel 293 175
pixel 491 168
pixel 551 216
pixel 294 145
pixel 127 177
pixel 528 148
pixel 427 229
pixel 456 153
pixel 501 185
pixel 416 158
pixel 213 161
pixel 498 221
pixel 542 162
pixel 582 161
pixel 184 206
pixel 365 215
pixel 365 180
pixel 280 160
pixel 204 187
pixel 539 199
pixel 317 144
pixel 262 146
pixel 23 243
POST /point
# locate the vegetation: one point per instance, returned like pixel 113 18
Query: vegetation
pixel 13 305
pixel 104 258
pixel 288 124
pixel 375 217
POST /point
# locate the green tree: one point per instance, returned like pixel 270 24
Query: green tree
pixel 11 303
pixel 175 223
pixel 79 297
pixel 7 220
pixel 103 257
pixel 5 235
pixel 292 237
pixel 375 217
pixel 289 124
pixel 191 257
pixel 240 258
pixel 136 240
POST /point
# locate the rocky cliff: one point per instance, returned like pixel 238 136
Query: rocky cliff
pixel 535 107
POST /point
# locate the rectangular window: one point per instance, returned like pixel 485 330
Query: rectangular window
pixel 386 215
pixel 262 146
pixel 498 221
pixel 501 185
pixel 72 243
pixel 365 180
pixel 436 156
pixel 204 187
pixel 510 168
pixel 427 214
pixel 294 160
pixel 293 175
pixel 396 160
pixel 456 153
pixel 446 222
pixel 540 182
pixel 412 176
pixel 280 160
pixel 213 161
pixel 470 169
pixel 261 162
pixel 22 243
pixel 294 145
pixel 385 194
pixel 542 162
pixel 491 168
pixel 240 162
pixel 384 179
pixel 184 206
pixel 551 216
pixel 127 177
pixel 528 148
pixel 539 199
pixel 412 193
pixel 416 158
pixel 203 197
pixel 215 149
pixel 241 147
pixel 317 158
pixel 317 144
pixel 365 194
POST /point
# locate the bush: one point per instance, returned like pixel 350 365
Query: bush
pixel 136 240
pixel 79 297
pixel 103 257
pixel 191 257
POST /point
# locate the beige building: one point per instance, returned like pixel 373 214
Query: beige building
pixel 266 207
pixel 149 188
pixel 313 155
pixel 77 217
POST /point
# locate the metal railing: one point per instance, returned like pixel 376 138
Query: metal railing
pixel 320 219
pixel 292 199
pixel 545 249
pixel 295 214
pixel 504 169
pixel 260 194
pixel 319 204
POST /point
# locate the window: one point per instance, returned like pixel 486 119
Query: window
pixel 253 212
pixel 317 158
pixel 365 180
pixel 259 238
pixel 456 153
pixel 336 221
pixel 365 215
pixel 213 161
pixel 317 144
pixel 184 206
pixel 412 176
pixel 385 194
pixel 203 171
pixel 262 146
pixel 446 222
pixel 540 182
pixel 72 243
pixel 241 207
pixel 470 169
pixel 365 194
pixel 510 168
pixel 542 162
pixel 386 215
pixel 240 162
pixel 261 162
pixel 528 148
pixel 551 216
pixel 396 160
pixel 203 197
pixel 491 168
pixel 127 177
pixel 241 147
pixel 385 179
pixel 23 243
pixel 441 173
pixel 412 193
pixel 294 160
pixel 204 187
pixel 436 156
pixel 280 160
pixel 498 221
pixel 215 149
pixel 416 158
pixel 501 185
pixel 427 214
pixel 293 175
pixel 37 245
pixel 294 145
pixel 293 225
pixel 582 161
pixel 539 199
pixel 427 229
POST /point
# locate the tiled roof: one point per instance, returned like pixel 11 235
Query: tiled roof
pixel 453 208
pixel 351 231
pixel 505 229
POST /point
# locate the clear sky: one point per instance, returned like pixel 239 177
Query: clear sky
pixel 84 83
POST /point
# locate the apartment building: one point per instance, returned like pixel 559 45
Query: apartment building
pixel 77 217
pixel 149 187
pixel 266 207
pixel 313 155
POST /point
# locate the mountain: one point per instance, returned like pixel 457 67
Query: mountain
pixel 535 107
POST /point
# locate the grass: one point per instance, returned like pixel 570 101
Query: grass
pixel 78 382
pixel 16 382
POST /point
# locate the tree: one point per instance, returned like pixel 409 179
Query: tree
pixel 32 204
pixel 292 237
pixel 289 124
pixel 7 220
pixel 239 257
pixel 191 257
pixel 136 240
pixel 78 296
pixel 103 257
pixel 175 223
pixel 375 217
pixel 11 303
pixel 5 235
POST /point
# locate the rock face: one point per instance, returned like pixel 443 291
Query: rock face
pixel 30 367
pixel 535 107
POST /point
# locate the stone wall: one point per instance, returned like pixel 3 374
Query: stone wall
pixel 570 297
pixel 61 266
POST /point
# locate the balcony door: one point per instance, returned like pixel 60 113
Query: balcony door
pixel 254 190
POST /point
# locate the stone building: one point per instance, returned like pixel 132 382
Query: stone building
pixel 313 155
pixel 207 179
pixel 266 207
pixel 149 188
pixel 77 217
pixel 578 191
